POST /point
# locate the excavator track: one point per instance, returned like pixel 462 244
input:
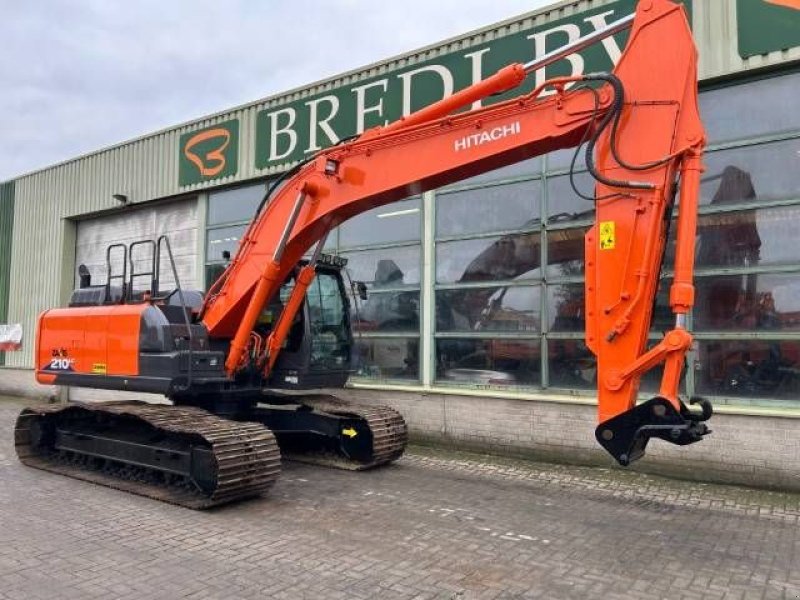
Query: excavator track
pixel 383 425
pixel 181 455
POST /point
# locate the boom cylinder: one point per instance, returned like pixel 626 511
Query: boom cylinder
pixel 266 282
pixel 681 297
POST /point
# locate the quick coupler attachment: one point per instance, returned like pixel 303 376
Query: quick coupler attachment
pixel 625 436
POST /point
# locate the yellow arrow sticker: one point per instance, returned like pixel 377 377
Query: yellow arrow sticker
pixel 351 433
pixel 608 237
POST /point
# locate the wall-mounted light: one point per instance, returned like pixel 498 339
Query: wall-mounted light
pixel 121 198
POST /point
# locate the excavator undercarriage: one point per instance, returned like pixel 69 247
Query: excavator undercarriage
pixel 190 457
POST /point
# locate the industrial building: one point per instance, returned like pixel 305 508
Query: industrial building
pixel 473 327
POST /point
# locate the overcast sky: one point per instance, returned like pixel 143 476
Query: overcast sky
pixel 78 75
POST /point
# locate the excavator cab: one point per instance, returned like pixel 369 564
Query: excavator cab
pixel 318 350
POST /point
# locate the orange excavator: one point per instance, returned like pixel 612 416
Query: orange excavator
pixel 239 364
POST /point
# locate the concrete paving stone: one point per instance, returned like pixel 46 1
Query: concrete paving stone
pixel 436 525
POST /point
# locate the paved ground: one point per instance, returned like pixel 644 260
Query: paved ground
pixel 435 525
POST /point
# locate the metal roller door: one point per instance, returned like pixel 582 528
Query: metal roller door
pixel 178 220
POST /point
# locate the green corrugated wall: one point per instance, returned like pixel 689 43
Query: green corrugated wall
pixel 6 224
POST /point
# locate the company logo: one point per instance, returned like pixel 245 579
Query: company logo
pixel 212 161
pixel 209 153
pixel 492 135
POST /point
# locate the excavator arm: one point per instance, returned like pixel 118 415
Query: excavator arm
pixel 643 136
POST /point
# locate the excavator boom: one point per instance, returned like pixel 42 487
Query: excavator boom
pixel 644 135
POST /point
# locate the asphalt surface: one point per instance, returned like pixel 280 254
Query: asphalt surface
pixel 434 525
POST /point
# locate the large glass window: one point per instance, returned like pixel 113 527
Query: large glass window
pixel 223 242
pixel 495 362
pixel 496 208
pixel 525 169
pixel 492 293
pixel 763 237
pixel 383 249
pixel 751 109
pixel 571 364
pixel 234 205
pixel 749 302
pixel 512 256
pixel 748 261
pixel 504 320
pixel 506 258
pixel 388 311
pixel 752 173
pixel 396 222
pixel 565 250
pixel 229 213
pixel 387 358
pixel 564 204
pixel 749 369
pixel 383 268
pixel 501 309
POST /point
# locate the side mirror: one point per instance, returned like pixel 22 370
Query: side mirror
pixel 361 289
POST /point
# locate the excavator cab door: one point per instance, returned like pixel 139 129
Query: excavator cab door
pixel 318 349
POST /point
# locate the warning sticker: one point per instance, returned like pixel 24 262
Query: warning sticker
pixel 607 236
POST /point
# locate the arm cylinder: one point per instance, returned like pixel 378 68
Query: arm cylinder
pixel 681 296
pixel 505 79
pixel 579 44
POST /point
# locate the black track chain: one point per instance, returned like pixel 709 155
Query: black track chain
pixel 246 454
pixel 389 432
